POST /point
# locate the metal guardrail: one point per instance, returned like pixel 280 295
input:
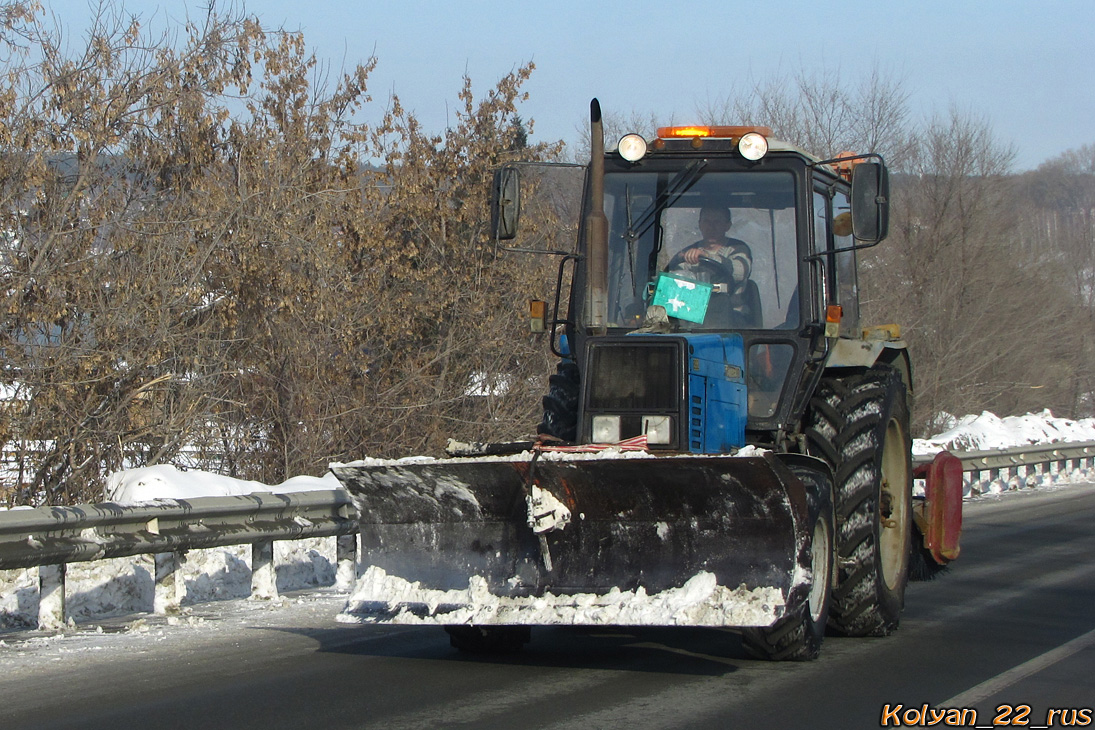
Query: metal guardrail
pixel 1021 461
pixel 56 535
pixel 51 537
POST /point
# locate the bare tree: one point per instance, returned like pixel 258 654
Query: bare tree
pixel 616 124
pixel 956 275
pixel 199 266
pixel 94 286
pixel 823 113
pixel 1058 203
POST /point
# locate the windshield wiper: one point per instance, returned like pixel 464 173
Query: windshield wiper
pixel 677 187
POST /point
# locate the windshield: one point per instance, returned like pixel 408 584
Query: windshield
pixel 717 250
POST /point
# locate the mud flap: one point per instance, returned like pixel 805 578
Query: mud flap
pixel 939 515
pixel 704 541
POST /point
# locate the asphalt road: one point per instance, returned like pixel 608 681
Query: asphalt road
pixel 1008 631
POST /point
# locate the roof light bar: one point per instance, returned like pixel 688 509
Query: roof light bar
pixel 752 141
pixel 716 131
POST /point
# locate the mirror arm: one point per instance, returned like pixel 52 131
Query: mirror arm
pixel 826 254
pixel 849 158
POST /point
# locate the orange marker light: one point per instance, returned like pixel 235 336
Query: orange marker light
pixel 537 310
pixel 844 166
pixel 833 314
pixel 683 132
pixel 717 131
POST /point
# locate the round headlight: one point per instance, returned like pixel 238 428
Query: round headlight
pixel 753 146
pixel 632 147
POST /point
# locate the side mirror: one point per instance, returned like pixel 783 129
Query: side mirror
pixel 505 203
pixel 870 202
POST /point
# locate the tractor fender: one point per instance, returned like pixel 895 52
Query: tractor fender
pixel 869 352
pixel 848 353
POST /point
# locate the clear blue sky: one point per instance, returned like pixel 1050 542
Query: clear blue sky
pixel 1027 67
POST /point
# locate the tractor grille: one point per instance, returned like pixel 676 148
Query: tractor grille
pixel 634 377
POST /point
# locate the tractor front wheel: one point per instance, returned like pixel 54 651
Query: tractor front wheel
pixel 561 403
pixel 798 635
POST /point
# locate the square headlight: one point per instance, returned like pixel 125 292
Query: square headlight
pixel 606 429
pixel 658 429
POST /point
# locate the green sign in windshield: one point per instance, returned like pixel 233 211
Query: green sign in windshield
pixel 682 298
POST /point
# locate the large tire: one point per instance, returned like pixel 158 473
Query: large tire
pixel 561 403
pixel 860 425
pixel 798 635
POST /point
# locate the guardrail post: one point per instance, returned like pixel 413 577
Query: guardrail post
pixel 170 587
pixel 51 596
pixel 346 557
pixel 264 579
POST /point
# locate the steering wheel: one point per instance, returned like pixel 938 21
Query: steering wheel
pixel 717 271
pixel 747 314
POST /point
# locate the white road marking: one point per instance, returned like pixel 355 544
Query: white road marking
pixel 1004 680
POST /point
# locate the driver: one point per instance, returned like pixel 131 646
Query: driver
pixel 719 259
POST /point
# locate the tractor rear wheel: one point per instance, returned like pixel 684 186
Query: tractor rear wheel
pixel 860 424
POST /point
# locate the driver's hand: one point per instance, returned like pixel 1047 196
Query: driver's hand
pixel 692 255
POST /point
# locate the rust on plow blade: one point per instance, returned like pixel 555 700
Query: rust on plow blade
pixel 707 541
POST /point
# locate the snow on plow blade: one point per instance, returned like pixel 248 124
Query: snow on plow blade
pixel 701 541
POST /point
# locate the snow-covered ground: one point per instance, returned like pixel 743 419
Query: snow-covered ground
pixel 987 431
pixel 120 586
pixel 125 586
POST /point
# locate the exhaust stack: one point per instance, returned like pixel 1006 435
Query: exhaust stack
pixel 597 225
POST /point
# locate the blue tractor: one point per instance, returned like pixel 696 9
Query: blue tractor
pixel 723 443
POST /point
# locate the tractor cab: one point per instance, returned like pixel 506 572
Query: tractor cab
pixel 714 268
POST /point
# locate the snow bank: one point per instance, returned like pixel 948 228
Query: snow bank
pixel 988 431
pixel 168 482
pixel 699 602
pixel 122 586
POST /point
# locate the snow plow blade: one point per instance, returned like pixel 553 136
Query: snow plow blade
pixel 699 541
